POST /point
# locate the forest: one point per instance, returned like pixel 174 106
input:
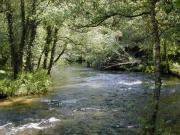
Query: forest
pixel 89 67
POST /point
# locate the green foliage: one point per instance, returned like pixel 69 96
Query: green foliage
pixel 89 29
pixel 26 84
pixel 96 47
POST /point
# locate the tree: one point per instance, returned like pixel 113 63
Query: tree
pixel 47 46
pixel 14 48
pixel 53 49
pixel 32 22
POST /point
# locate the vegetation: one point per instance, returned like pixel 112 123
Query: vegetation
pixel 130 35
pixel 26 84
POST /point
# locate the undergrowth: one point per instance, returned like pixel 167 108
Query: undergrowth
pixel 26 84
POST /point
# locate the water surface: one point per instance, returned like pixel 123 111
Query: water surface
pixel 85 102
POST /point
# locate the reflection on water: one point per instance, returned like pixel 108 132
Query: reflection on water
pixel 88 102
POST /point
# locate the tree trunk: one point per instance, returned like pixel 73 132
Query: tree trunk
pixel 47 46
pixel 157 63
pixel 23 34
pixel 62 52
pixel 33 28
pixel 29 59
pixel 39 60
pixel 166 57
pixel 157 58
pixel 53 50
pixel 14 51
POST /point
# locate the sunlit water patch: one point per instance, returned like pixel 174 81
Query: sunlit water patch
pixel 10 129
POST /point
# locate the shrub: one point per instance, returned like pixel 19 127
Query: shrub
pixel 26 84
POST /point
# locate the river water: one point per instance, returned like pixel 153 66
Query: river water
pixel 85 102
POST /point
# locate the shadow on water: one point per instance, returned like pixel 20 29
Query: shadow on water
pixel 162 112
pixel 151 121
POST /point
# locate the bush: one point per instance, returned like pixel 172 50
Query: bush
pixel 26 84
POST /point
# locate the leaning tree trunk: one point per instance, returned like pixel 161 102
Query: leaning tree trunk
pixel 47 46
pixel 53 50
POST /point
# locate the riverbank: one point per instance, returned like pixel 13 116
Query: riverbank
pixel 25 100
pixel 137 66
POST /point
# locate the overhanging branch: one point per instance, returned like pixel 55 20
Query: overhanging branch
pixel 101 19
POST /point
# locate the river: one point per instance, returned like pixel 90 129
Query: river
pixel 84 101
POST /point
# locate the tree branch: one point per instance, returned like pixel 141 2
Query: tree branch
pixel 70 40
pixel 101 19
pixel 62 52
pixel 122 64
